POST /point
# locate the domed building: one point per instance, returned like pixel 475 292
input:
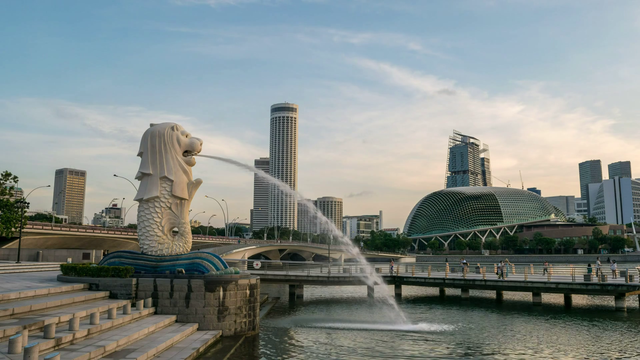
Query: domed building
pixel 464 212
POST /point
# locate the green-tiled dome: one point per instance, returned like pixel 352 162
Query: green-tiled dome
pixel 468 208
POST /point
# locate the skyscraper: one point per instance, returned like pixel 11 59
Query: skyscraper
pixel 283 164
pixel 620 169
pixel 260 211
pixel 307 219
pixel 590 173
pixel 331 208
pixel 68 194
pixel 468 162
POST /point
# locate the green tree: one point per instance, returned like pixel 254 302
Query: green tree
pixel 590 220
pixel 547 244
pixel 491 244
pixel 474 244
pixel 132 226
pixel 593 245
pixel 41 217
pixel 434 245
pixel 10 209
pixel 567 244
pixel 617 243
pixel 384 241
pixel 509 242
pixel 597 234
pixel 461 244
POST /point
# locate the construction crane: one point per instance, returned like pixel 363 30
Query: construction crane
pixel 521 182
pixel 508 183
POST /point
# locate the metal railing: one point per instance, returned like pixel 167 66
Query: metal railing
pixel 486 271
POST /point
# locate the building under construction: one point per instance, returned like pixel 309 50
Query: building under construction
pixel 468 162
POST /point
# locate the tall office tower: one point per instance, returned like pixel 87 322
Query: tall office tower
pixel 331 208
pixel 620 169
pixel 307 219
pixel 260 211
pixel 590 173
pixel 68 194
pixel 468 162
pixel 283 164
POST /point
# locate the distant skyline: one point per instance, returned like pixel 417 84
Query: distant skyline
pixel 380 85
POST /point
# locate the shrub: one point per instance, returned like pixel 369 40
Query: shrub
pixel 97 271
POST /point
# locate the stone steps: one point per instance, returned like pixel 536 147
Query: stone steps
pixel 13 309
pixel 155 343
pixel 36 322
pixel 190 347
pixel 64 337
pixel 114 340
pixel 48 291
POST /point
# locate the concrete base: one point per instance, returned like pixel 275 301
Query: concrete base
pixel 536 298
pixel 442 292
pixel 464 294
pixel 296 292
pixel 74 324
pixel 112 313
pixel 499 296
pixel 397 290
pixel 621 302
pixel 15 344
pixel 126 310
pixel 31 351
pixel 94 318
pixel 50 331
pixel 139 305
pixel 122 289
pixel 568 300
pixel 25 337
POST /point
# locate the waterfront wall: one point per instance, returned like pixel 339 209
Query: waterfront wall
pixel 227 303
pixel 531 259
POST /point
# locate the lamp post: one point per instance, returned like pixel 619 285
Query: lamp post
pixel 122 177
pixel 88 222
pixel 23 205
pixel 126 212
pixel 224 215
pixel 209 223
pixel 236 224
pixel 53 210
pixel 228 215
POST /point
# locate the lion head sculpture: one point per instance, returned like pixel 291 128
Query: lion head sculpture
pixel 167 150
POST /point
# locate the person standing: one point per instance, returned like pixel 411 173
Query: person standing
pixel 501 270
pixel 598 267
pixel 614 269
pixel 391 267
pixel 545 268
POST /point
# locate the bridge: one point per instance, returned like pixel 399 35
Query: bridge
pixel 567 280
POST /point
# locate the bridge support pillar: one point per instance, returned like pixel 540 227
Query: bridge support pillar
pixel 370 292
pixel 398 291
pixel 499 296
pixel 296 292
pixel 536 297
pixel 568 300
pixel 442 292
pixel 464 294
pixel 621 302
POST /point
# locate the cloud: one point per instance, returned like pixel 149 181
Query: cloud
pixel 360 194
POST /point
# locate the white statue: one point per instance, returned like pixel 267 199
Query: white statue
pixel 166 189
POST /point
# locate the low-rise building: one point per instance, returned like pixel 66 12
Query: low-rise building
pixel 361 225
pixel 109 217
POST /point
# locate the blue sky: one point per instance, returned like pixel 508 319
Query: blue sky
pixel 380 85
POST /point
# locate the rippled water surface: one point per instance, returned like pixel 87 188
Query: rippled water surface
pixel 341 323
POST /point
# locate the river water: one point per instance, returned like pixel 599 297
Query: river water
pixel 341 323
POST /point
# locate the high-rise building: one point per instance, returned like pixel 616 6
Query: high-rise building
pixel 566 204
pixel 590 173
pixel 283 164
pixel 615 201
pixel 307 218
pixel 620 169
pixel 68 194
pixel 535 190
pixel 468 162
pixel 260 211
pixel 331 208
pixel 361 225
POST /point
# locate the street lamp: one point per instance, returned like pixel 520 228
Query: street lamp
pixel 23 205
pixel 224 215
pixel 209 223
pixel 228 214
pixel 126 212
pixel 53 210
pixel 122 177
pixel 236 224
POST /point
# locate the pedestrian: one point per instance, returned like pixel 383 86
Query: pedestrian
pixel 501 270
pixel 614 269
pixel 545 268
pixel 609 260
pixel 461 266
pixel 391 267
pixel 598 267
pixel 361 245
pixel 589 269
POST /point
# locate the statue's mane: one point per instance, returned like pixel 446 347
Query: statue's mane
pixel 159 159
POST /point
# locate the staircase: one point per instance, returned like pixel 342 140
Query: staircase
pixel 70 322
pixel 13 268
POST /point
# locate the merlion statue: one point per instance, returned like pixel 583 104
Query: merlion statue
pixel 166 189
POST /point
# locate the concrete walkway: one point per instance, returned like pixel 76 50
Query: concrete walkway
pixel 29 281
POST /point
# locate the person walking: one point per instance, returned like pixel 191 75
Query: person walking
pixel 598 267
pixel 391 267
pixel 501 270
pixel 614 269
pixel 545 268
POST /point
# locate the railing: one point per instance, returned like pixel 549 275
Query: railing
pixel 513 272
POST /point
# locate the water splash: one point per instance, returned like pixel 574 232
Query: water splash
pixel 420 327
pixel 369 277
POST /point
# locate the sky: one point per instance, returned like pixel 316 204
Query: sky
pixel 380 85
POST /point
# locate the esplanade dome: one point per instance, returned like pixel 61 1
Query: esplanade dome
pixel 462 209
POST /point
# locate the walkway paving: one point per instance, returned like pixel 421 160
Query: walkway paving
pixel 28 281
